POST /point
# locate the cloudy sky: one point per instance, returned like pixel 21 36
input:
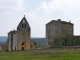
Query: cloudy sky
pixel 38 13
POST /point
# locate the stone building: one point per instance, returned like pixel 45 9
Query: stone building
pixel 55 26
pixel 20 39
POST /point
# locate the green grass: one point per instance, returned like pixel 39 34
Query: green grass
pixel 41 55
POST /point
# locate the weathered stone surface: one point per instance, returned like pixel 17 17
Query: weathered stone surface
pixel 55 26
pixel 22 37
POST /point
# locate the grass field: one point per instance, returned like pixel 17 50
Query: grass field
pixel 41 55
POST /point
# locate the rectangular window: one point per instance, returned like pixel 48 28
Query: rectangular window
pixel 49 42
pixel 23 25
pixel 49 31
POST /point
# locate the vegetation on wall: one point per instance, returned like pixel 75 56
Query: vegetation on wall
pixel 63 39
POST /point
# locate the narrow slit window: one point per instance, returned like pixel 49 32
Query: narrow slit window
pixel 49 42
pixel 22 26
pixel 49 31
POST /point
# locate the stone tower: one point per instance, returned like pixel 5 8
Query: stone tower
pixel 20 39
pixel 23 33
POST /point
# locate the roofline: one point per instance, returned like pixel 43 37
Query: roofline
pixel 61 21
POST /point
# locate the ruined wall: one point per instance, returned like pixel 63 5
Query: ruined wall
pixel 0 48
pixel 4 47
pixel 14 46
pixel 9 42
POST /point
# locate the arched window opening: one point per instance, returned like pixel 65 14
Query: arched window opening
pixel 22 43
pixel 23 25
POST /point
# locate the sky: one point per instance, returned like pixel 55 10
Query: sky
pixel 38 13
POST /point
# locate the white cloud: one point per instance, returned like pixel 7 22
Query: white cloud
pixel 31 14
pixel 64 5
pixel 33 17
pixel 8 6
pixel 19 5
pixel 61 9
pixel 13 11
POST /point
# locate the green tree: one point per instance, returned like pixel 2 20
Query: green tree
pixel 63 39
pixel 57 40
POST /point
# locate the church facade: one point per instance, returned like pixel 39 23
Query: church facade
pixel 20 39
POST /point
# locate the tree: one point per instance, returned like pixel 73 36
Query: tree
pixel 57 40
pixel 63 39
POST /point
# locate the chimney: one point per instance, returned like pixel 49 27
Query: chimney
pixel 14 30
pixel 59 19
pixel 69 21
